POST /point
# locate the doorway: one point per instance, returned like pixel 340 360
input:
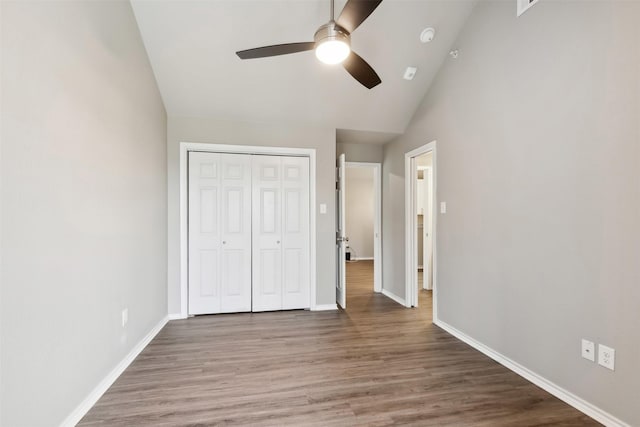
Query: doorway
pixel 420 225
pixel 424 212
pixel 359 214
pixel 363 217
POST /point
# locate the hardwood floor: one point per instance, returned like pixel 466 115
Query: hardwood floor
pixel 375 364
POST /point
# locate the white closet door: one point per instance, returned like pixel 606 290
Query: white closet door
pixel 295 232
pixel 235 260
pixel 219 233
pixel 267 233
pixel 280 233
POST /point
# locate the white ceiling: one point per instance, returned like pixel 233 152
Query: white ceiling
pixel 192 45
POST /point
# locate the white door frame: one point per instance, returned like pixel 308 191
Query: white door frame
pixel 185 147
pixel 411 226
pixel 377 221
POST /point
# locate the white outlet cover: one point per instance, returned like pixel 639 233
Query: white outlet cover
pixel 606 357
pixel 125 317
pixel 589 350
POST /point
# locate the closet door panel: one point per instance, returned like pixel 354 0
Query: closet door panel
pixel 269 273
pixel 208 260
pixel 267 230
pixel 295 232
pixel 204 233
pixel 235 260
pixel 219 233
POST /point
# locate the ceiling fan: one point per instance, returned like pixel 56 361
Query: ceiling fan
pixel 332 43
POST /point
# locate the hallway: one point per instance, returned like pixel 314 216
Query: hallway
pixel 377 363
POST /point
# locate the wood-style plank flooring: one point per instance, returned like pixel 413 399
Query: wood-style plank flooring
pixel 375 364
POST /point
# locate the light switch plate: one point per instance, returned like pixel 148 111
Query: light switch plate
pixel 323 208
pixel 443 207
pixel 589 350
pixel 606 357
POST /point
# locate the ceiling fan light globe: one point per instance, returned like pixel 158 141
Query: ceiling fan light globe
pixel 332 51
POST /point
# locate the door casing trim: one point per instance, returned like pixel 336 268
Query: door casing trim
pixel 411 250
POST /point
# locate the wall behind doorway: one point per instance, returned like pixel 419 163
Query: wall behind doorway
pixel 360 211
pixel 368 153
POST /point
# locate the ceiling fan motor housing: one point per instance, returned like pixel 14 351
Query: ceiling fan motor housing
pixel 330 32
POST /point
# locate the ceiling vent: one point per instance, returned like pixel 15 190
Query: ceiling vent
pixel 524 5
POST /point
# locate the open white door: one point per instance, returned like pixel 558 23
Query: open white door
pixel 341 238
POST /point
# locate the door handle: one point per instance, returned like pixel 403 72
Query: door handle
pixel 342 239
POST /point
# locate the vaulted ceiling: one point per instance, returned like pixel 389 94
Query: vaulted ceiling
pixel 192 45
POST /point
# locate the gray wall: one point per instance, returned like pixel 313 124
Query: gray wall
pixel 369 153
pixel 83 202
pixel 538 130
pixel 360 211
pixel 183 129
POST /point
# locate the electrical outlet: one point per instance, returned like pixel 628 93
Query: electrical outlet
pixel 125 317
pixel 589 350
pixel 606 356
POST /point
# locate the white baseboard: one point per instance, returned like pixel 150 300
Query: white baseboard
pixel 364 258
pixel 324 307
pixel 177 316
pixel 394 297
pixel 84 407
pixel 562 394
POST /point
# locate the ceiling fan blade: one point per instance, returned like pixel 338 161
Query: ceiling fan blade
pixel 361 71
pixel 355 12
pixel 275 50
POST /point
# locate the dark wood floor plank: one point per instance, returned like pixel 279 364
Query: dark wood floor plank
pixel 375 364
